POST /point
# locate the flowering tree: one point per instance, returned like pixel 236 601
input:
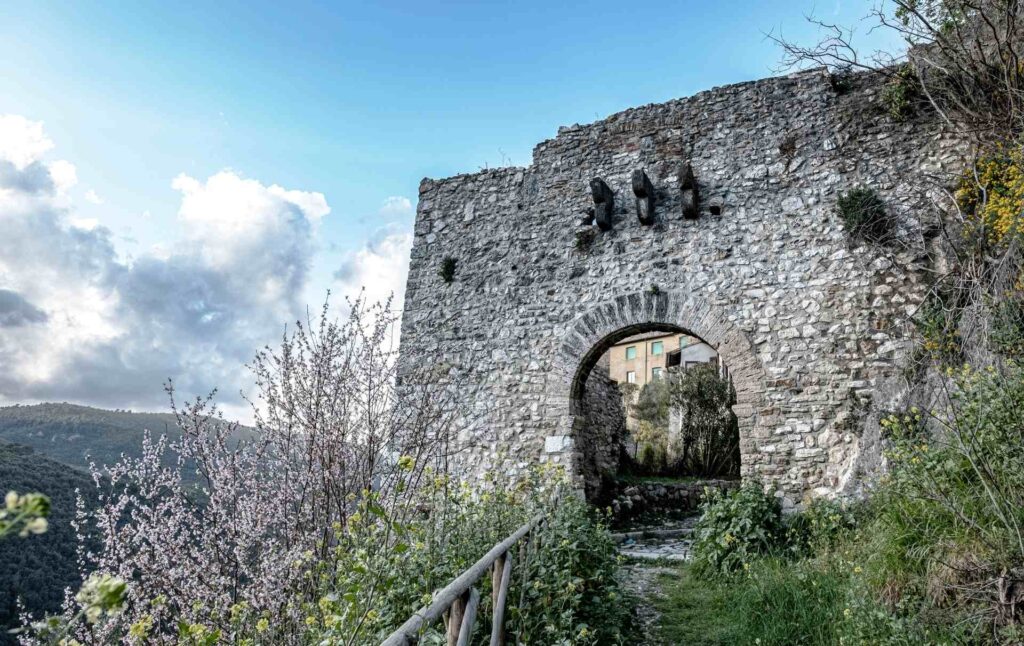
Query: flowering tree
pixel 332 426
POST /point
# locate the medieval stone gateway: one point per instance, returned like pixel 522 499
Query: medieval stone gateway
pixel 712 215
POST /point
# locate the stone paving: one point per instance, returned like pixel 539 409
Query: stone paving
pixel 669 542
pixel 653 550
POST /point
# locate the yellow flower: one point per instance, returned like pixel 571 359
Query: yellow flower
pixel 262 625
pixel 406 463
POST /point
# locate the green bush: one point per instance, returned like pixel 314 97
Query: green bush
pixel 864 215
pixel 947 535
pixel 938 321
pixel 901 94
pixel 709 437
pixel 585 239
pixel 818 527
pixel 570 594
pixel 735 528
pixel 447 270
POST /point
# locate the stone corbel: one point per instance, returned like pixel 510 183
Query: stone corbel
pixel 604 203
pixel 688 193
pixel 644 192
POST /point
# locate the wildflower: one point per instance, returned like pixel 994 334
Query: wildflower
pixel 140 629
pixel 101 593
pixel 34 526
pixel 406 463
pixel 262 625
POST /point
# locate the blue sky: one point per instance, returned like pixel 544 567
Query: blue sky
pixel 354 101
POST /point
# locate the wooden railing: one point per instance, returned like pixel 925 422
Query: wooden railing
pixel 459 600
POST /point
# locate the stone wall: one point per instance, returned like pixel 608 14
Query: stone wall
pixel 605 430
pixel 635 500
pixel 809 322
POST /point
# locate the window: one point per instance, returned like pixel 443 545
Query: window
pixel 673 359
pixel 684 341
pixel 656 373
pixel 657 347
pixel 631 352
pixel 631 377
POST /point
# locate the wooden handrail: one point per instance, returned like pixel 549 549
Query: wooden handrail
pixel 456 596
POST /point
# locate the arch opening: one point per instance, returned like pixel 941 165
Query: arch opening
pixel 652 402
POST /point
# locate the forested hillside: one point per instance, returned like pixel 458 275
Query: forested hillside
pixel 75 434
pixel 38 568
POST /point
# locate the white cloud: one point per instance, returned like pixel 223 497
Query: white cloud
pixel 64 175
pixel 22 141
pixel 380 268
pixel 396 207
pixel 92 197
pixel 78 323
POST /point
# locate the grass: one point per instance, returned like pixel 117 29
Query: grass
pixel 778 603
pixel 693 611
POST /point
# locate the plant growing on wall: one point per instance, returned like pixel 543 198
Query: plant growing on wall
pixel 585 239
pixel 447 270
pixel 864 215
pixel 901 94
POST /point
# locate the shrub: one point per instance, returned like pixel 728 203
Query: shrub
pixel 818 527
pixel 570 595
pixel 736 527
pixel 653 457
pixel 948 531
pixel 901 94
pixel 1008 326
pixel 585 239
pixel 991 196
pixel 864 215
pixel 937 322
pixel 447 270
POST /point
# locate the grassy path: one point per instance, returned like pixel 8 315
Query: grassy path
pixel 678 609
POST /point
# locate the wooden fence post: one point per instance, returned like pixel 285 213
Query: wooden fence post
pixel 455 620
pixel 469 618
pixel 501 598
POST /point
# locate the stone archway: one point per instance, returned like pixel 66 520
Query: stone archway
pixel 606 323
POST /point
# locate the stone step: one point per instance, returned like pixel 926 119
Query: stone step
pixel 645 555
pixel 644 534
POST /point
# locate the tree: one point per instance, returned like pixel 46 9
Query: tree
pixel 708 442
pixel 335 433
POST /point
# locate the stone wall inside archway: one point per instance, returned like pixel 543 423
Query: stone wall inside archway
pixel 549 263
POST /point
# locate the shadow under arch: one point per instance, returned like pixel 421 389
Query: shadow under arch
pixel 605 323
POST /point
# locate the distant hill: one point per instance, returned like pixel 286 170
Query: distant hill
pixel 75 434
pixel 37 445
pixel 38 568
